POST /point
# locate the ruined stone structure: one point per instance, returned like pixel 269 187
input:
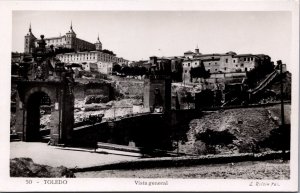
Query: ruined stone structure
pixel 44 82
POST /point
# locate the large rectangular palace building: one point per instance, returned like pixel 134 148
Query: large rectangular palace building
pixel 89 55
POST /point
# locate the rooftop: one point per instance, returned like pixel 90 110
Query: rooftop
pixel 189 52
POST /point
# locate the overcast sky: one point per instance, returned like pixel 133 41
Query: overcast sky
pixel 136 35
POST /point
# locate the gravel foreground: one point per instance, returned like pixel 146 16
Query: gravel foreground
pixel 267 170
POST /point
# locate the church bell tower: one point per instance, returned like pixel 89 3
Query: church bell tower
pixel 98 44
pixel 29 41
pixel 71 38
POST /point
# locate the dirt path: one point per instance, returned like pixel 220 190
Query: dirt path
pixel 41 153
pixel 242 170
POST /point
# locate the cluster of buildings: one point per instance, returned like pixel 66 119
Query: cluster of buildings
pixel 93 58
pixel 229 64
pixel 156 64
pixel 90 55
pixel 222 67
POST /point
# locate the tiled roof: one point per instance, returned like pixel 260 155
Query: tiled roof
pixel 189 52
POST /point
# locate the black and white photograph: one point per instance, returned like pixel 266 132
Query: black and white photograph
pixel 171 96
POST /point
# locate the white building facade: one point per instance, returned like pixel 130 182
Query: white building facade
pixel 88 59
pixel 229 62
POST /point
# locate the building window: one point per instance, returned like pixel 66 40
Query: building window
pixel 225 68
pixel 226 60
pixel 242 65
pixel 189 64
pixel 185 71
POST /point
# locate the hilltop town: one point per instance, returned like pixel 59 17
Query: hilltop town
pixel 69 92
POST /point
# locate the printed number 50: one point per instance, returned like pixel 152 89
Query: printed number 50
pixel 28 181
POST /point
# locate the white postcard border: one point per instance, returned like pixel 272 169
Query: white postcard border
pixel 121 184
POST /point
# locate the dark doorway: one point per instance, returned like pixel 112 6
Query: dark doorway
pixel 38 105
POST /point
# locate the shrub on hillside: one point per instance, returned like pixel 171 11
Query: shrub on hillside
pixel 211 137
pixel 94 107
pixel 96 99
pixel 209 141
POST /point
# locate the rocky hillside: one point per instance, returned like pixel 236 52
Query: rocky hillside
pixel 25 167
pixel 129 88
pixel 232 131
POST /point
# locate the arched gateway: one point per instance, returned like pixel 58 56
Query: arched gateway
pixel 44 82
pixel 30 98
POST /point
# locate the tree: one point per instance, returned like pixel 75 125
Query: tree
pixel 126 70
pixel 108 52
pixel 116 68
pixel 135 71
pixel 143 70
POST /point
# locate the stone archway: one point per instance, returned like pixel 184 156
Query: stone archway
pixel 56 81
pixel 34 104
pixel 61 102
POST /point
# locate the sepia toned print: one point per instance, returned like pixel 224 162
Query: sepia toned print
pixel 151 97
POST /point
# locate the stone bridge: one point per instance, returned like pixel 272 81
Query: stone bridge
pixel 148 130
